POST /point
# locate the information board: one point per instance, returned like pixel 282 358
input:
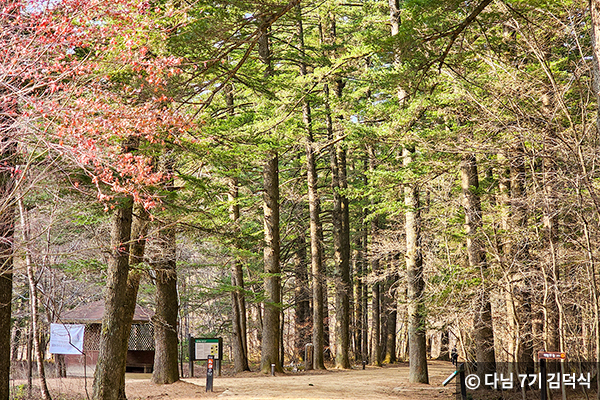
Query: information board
pixel 66 338
pixel 203 347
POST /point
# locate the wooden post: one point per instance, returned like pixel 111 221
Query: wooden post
pixel 543 378
pixel 463 385
pixel 308 356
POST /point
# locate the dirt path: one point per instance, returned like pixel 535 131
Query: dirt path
pixel 373 383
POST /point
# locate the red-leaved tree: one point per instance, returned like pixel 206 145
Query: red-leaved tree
pixel 83 86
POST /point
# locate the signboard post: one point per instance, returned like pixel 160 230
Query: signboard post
pixel 543 356
pixel 191 355
pixel 209 373
pixel 460 371
pixel 544 394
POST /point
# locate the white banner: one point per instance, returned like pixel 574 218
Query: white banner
pixel 66 339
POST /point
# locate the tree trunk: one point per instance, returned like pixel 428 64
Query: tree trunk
pixel 515 253
pixel 519 251
pixel 167 309
pixel 341 242
pixel 340 216
pixel 316 251
pixel 363 282
pixel 108 378
pixel 316 229
pixel 16 342
pixel 272 269
pixel 139 231
pixel 414 266
pixel 376 316
pixel 345 265
pixel 316 258
pixel 595 34
pixel 361 316
pixel 391 311
pixel 318 276
pixel 238 300
pixel 390 345
pixel 33 300
pixel 553 321
pixel 375 349
pixel 167 304
pixel 591 271
pixel 272 303
pixel 7 207
pixel 484 333
pixel 302 320
pixel 384 310
pixel 29 361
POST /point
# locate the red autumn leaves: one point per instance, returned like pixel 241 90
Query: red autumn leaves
pixel 88 76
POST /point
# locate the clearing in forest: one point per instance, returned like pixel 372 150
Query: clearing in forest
pixel 371 383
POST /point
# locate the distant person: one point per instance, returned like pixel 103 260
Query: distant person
pixel 454 356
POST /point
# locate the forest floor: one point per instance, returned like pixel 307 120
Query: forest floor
pixel 371 383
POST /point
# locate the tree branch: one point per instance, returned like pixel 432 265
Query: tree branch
pixel 460 28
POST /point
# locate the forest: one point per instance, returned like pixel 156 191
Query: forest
pixel 382 180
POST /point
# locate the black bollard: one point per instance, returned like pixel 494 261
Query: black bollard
pixel 192 357
pixel 210 373
pixel 364 363
pixel 272 369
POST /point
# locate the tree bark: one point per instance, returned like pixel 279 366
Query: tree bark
pixel 167 304
pixel 376 289
pixel 595 34
pixel 391 311
pixel 139 231
pixel 318 275
pixel 376 315
pixel 8 150
pixel 167 310
pixel 272 280
pixel 553 320
pixel 340 216
pixel 302 320
pixel 238 300
pixel 272 269
pixel 314 209
pixel 361 302
pixel 417 313
pixel 519 250
pixel 108 378
pixel 341 256
pixel 484 333
pixel 33 300
pixel 316 258
pixel 515 252
pixel 365 295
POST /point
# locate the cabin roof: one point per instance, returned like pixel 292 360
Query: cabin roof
pixel 91 313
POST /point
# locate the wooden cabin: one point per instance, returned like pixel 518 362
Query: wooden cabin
pixel 140 354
